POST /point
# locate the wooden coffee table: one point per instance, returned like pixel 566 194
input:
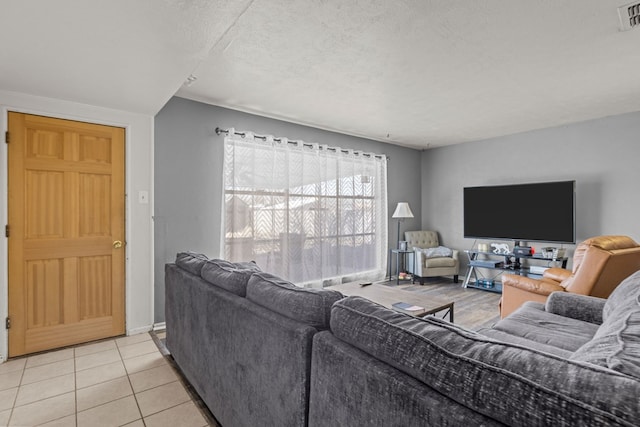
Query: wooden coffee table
pixel 387 296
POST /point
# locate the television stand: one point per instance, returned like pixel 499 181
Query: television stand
pixel 491 261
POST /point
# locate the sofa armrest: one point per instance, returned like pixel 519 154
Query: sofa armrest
pixel 556 274
pixel 575 306
pixel 540 287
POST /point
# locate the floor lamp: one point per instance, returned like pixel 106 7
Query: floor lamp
pixel 402 211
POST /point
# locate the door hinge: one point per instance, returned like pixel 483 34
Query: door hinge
pixel 6 137
pixel 6 230
pixel 8 323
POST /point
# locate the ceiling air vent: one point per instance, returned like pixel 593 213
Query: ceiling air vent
pixel 629 16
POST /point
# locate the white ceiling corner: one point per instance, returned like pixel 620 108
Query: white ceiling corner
pixel 129 55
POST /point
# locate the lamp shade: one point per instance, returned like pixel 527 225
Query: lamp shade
pixel 402 211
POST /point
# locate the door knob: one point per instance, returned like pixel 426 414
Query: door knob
pixel 117 244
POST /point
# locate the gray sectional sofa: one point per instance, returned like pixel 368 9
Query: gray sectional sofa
pixel 278 355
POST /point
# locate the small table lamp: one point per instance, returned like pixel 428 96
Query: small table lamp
pixel 402 211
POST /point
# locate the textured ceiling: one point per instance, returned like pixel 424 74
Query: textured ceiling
pixel 420 73
pixel 123 54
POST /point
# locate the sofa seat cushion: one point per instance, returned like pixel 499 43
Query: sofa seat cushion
pixel 191 261
pixel 616 344
pixel 439 262
pixel 518 340
pixel 490 377
pixel 231 276
pixel 532 322
pixel 309 306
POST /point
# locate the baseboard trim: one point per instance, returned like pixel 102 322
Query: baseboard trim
pixel 140 330
pixel 161 326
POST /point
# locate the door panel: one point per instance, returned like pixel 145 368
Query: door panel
pixel 44 193
pixel 94 205
pixel 95 295
pixel 44 292
pixel 66 209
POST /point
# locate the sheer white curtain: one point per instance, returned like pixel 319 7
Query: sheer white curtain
pixel 309 213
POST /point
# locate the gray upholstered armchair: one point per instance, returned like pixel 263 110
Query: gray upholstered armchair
pixel 431 259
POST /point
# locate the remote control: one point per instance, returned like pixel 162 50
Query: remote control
pixel 365 284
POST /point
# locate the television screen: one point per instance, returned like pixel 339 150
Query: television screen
pixel 543 212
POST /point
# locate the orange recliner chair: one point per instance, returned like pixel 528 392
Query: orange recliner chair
pixel 599 265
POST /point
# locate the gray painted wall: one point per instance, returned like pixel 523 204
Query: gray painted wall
pixel 188 177
pixel 601 155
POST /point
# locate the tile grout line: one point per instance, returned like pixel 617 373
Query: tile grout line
pixel 75 390
pixel 130 385
pixel 50 397
pixel 157 350
pixel 193 395
pixel 127 375
pixel 50 378
pixel 169 407
pixel 15 399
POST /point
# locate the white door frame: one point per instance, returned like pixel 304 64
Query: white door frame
pixel 138 216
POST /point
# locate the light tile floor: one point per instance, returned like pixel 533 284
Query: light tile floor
pixel 116 382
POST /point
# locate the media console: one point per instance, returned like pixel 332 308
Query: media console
pixel 501 263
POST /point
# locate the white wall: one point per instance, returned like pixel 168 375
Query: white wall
pixel 139 226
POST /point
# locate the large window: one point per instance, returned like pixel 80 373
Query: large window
pixel 306 212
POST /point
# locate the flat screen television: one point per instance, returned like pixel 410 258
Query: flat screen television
pixel 542 212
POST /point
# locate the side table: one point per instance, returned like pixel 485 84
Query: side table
pixel 398 253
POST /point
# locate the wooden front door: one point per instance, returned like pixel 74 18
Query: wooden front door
pixel 66 232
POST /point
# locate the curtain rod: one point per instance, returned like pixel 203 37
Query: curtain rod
pixel 304 144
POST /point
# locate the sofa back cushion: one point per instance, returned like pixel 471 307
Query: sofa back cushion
pixel 606 243
pixel 491 377
pixel 601 264
pixel 623 297
pixel 421 239
pixel 616 343
pixel 191 261
pixel 309 306
pixel 231 276
pixel 437 252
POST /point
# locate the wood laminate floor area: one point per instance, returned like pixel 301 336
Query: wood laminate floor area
pixel 474 308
